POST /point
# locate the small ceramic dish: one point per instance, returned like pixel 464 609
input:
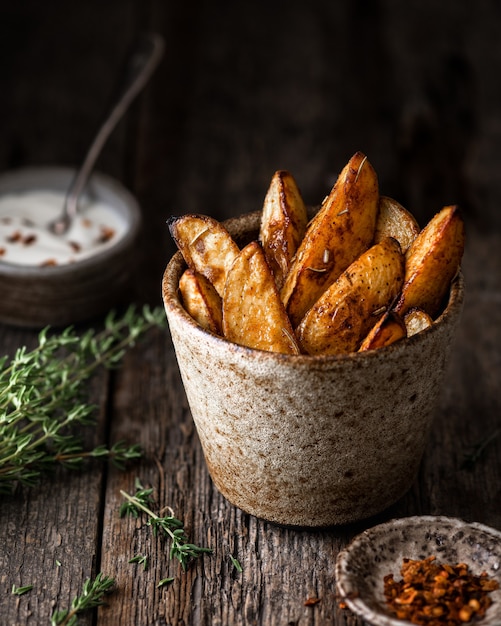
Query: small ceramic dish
pixel 378 551
pixel 36 296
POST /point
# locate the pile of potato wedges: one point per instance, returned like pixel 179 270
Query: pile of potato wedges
pixel 359 275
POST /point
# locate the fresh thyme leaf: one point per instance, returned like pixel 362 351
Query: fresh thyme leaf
pixel 236 563
pixel 141 497
pixel 142 560
pixel 180 548
pixel 91 596
pixel 42 401
pixel 19 591
pixel 165 581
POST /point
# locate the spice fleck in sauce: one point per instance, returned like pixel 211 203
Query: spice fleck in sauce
pixel 25 238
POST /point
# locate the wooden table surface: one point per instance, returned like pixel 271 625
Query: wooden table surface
pixel 245 90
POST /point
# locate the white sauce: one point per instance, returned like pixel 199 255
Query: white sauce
pixel 25 238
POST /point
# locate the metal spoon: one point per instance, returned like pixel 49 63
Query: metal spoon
pixel 140 65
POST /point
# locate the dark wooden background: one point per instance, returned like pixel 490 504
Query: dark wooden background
pixel 247 88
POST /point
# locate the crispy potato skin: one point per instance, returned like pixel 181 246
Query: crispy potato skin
pixel 344 314
pixel 416 320
pixel 253 314
pixel 395 221
pixel 283 223
pixel 342 230
pixel 206 245
pixel 201 301
pixel 388 329
pixel 359 276
pixel 432 261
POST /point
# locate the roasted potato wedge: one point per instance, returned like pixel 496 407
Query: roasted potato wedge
pixel 283 223
pixel 395 221
pixel 206 245
pixel 432 261
pixel 342 229
pixel 417 320
pixel 201 301
pixel 344 314
pixel 360 275
pixel 253 314
pixel 388 329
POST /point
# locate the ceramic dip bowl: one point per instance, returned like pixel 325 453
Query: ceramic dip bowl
pixel 81 286
pixel 379 551
pixel 309 440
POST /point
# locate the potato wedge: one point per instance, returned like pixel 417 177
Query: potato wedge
pixel 206 245
pixel 432 261
pixel 342 229
pixel 283 223
pixel 201 301
pixel 395 221
pixel 253 314
pixel 344 314
pixel 388 329
pixel 417 320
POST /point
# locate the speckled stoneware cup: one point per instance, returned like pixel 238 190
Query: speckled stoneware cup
pixel 309 440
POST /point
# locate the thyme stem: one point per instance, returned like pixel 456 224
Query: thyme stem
pixel 478 450
pixel 138 504
pixel 42 396
pixel 180 549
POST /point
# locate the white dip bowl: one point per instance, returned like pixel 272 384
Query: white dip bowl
pixel 62 294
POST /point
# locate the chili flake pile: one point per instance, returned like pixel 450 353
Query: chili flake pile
pixel 432 594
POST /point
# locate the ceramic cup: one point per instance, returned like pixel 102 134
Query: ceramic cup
pixel 309 440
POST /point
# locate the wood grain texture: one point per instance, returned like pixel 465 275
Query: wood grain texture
pixel 245 90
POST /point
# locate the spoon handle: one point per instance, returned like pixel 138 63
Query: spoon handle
pixel 140 65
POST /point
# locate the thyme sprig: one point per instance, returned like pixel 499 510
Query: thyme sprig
pixel 478 450
pixel 42 396
pixel 91 596
pixel 173 528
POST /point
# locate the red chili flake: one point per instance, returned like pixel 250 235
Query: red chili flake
pixel 48 263
pixel 86 222
pixel 75 246
pixel 434 594
pixel 2 251
pixel 311 601
pixel 106 234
